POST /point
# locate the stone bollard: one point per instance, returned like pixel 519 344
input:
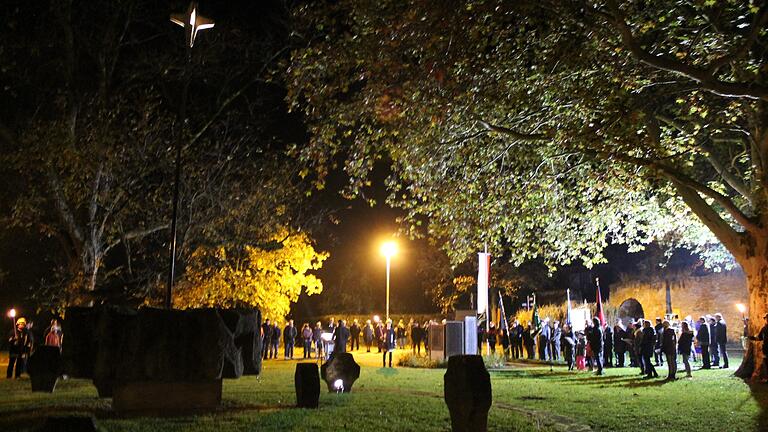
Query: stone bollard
pixel 307 381
pixel 44 368
pixel 341 366
pixel 467 390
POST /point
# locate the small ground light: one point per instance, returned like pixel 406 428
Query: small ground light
pixel 338 385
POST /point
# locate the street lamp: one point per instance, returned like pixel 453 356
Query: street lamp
pixel 192 23
pixel 388 249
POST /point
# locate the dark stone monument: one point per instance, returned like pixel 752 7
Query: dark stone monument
pixel 245 325
pixel 341 366
pixel 467 391
pixel 68 424
pixel 307 381
pixel 79 350
pixel 44 368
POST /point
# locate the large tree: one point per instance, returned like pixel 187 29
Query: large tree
pixel 551 128
pixel 88 137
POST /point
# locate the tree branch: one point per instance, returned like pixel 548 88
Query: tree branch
pixel 137 233
pixel 513 133
pixel 701 75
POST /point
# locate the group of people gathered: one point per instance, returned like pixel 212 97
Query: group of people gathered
pixel 639 343
pixel 321 340
pixel 21 344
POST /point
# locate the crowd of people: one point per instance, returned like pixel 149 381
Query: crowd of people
pixel 639 343
pixel 321 340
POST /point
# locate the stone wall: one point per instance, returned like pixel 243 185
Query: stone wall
pixel 691 295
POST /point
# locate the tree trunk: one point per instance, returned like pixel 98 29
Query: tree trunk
pixel 756 270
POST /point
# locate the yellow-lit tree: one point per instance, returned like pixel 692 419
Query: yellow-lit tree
pixel 269 277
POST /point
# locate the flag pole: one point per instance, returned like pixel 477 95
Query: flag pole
pixel 487 303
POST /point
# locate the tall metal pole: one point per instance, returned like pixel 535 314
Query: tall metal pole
pixel 388 261
pixel 177 177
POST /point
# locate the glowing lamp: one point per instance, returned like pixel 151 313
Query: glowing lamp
pixel 376 319
pixel 338 385
pixel 12 313
pixel 389 249
pixel 741 309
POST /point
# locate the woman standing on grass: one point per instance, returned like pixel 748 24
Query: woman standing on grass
pixel 306 335
pixel 388 343
pixel 684 346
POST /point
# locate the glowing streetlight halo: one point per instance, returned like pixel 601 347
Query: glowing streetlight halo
pixel 12 313
pixel 741 308
pixel 389 249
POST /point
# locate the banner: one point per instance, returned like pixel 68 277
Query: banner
pixel 600 313
pixel 483 274
pixel 536 320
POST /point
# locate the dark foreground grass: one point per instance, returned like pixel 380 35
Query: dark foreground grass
pixel 526 398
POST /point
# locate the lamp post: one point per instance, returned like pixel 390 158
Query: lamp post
pixel 388 249
pixel 192 23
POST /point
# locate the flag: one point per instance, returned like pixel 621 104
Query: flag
pixel 568 315
pixel 536 320
pixel 483 272
pixel 600 313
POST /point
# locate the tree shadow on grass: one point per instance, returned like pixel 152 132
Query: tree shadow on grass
pixel 760 393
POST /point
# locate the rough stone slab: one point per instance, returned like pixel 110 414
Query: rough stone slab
pixel 307 382
pixel 166 397
pixel 467 392
pixel 340 366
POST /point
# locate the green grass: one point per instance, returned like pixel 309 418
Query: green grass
pixel 526 398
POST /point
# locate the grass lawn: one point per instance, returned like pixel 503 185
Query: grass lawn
pixel 526 398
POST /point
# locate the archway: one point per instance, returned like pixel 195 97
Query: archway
pixel 630 309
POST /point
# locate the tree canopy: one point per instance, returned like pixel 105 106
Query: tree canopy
pixel 550 128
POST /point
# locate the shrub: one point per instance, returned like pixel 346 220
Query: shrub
pixel 419 361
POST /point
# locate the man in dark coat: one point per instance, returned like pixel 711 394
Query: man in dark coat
pixel 619 345
pixel 378 333
pixel 763 336
pixel 340 337
pixel 289 339
pixel 529 339
pixel 669 348
pixel 545 335
pixel 713 341
pixel 416 337
pixel 354 332
pixel 722 338
pixel 704 339
pixel 266 338
pixel 275 341
pixel 657 355
pixel 388 343
pixel 647 349
pixel 595 339
pixel 368 335
pixel 517 340
pixel 608 347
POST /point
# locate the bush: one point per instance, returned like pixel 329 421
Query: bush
pixel 494 361
pixel 420 361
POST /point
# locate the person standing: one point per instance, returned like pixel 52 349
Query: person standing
pixel 544 339
pixel 354 332
pixel 684 346
pixel 713 341
pixel 317 337
pixel 638 347
pixel 19 347
pixel 669 348
pixel 416 338
pixel 658 357
pixel 306 337
pixel 517 340
pixel 400 334
pixel 368 335
pixel 266 338
pixel 722 338
pixel 568 343
pixel 289 339
pixel 556 337
pixel 608 346
pixel 53 334
pixel 529 339
pixel 648 349
pixel 275 342
pixel 619 345
pixel 763 337
pixel 340 337
pixel 703 339
pixel 379 334
pixel 492 337
pixel 388 343
pixel 504 339
pixel 595 340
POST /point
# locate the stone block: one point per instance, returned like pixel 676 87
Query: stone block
pixel 341 366
pixel 44 367
pixel 467 392
pixel 153 397
pixel 307 382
